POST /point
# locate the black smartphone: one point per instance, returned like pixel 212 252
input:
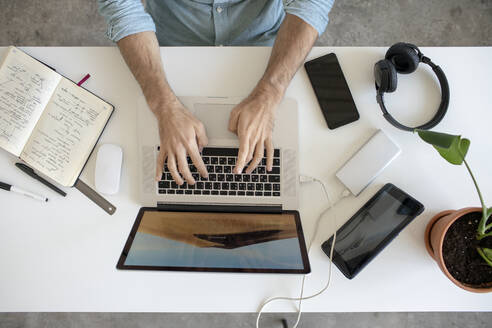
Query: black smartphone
pixel 372 228
pixel 332 91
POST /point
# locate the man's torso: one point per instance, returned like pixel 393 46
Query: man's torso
pixel 222 22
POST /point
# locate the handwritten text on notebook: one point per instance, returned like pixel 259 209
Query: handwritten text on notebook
pixel 67 126
pixel 24 92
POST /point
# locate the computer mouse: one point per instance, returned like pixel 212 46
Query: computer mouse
pixel 108 169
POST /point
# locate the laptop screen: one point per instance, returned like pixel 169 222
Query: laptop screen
pixel 216 241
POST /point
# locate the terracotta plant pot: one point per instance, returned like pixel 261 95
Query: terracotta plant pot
pixel 434 239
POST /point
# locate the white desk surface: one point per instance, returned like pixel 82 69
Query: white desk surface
pixel 61 255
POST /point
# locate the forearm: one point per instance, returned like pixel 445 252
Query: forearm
pixel 294 41
pixel 142 55
pixel 253 118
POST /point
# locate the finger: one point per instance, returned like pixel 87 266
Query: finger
pixel 233 121
pixel 269 153
pixel 252 146
pixel 161 157
pixel 242 154
pixel 184 169
pixel 171 165
pixel 260 150
pixel 196 158
pixel 201 136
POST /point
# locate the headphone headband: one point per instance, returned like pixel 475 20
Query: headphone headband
pixel 443 107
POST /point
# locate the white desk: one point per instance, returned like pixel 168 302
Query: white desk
pixel 61 256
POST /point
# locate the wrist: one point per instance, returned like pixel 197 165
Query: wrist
pixel 163 104
pixel 269 93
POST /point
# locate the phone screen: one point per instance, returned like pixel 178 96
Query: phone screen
pixel 332 91
pixel 372 228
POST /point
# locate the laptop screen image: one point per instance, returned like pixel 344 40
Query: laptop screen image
pixel 216 241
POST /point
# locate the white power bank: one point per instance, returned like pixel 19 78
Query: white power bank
pixel 369 161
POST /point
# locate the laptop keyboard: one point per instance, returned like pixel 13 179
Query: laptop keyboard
pixel 222 181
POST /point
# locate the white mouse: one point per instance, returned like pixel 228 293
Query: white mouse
pixel 108 169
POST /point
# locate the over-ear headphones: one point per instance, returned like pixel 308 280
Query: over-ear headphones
pixel 404 58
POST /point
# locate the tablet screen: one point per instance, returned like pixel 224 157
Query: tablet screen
pixel 214 241
pixel 373 227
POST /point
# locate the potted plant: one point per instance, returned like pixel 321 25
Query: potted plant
pixel 460 240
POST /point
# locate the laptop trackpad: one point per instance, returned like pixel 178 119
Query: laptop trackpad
pixel 215 117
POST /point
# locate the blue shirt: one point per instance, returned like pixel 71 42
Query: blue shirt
pixel 209 22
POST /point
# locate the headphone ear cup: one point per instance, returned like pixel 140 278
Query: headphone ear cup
pixel 404 57
pixel 385 76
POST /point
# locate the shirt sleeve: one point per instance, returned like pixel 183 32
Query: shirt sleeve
pixel 313 12
pixel 125 17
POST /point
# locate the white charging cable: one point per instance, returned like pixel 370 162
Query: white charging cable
pixel 345 193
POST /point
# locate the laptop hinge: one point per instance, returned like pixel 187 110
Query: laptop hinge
pixel 220 207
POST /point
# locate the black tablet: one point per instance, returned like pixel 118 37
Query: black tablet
pixel 216 241
pixel 372 228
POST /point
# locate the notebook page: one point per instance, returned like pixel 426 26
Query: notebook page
pixel 66 133
pixel 25 89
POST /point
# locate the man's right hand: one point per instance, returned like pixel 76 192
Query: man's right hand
pixel 181 135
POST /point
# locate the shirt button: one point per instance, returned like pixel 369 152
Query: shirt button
pixel 219 9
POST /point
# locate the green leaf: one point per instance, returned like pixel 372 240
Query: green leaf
pixel 484 226
pixel 451 147
pixel 486 254
pixel 488 212
pixel 439 139
pixel 457 152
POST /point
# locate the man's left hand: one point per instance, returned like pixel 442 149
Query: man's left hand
pixel 252 121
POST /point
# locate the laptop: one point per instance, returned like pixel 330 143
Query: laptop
pixel 227 222
pixel 276 190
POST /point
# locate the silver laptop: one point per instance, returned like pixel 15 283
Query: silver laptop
pixel 275 190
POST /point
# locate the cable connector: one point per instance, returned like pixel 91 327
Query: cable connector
pixel 345 193
pixel 306 179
